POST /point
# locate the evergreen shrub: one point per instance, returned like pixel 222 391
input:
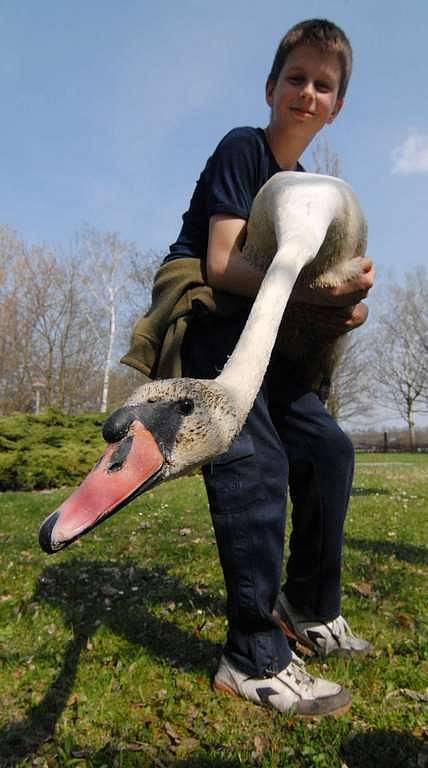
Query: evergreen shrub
pixel 48 451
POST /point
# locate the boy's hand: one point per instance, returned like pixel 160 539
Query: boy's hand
pixel 330 322
pixel 347 294
pixel 340 320
pixel 354 316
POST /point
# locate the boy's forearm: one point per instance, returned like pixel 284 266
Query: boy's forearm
pixel 232 273
pixel 227 270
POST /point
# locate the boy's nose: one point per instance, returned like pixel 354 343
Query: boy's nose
pixel 308 90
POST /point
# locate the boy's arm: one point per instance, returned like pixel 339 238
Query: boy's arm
pixel 227 270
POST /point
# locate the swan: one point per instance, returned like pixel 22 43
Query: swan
pixel 301 224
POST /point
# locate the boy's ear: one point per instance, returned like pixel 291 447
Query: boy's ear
pixel 338 107
pixel 270 85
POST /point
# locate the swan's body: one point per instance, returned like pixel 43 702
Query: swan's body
pixel 300 224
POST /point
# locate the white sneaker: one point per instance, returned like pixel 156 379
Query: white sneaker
pixel 292 690
pixel 321 637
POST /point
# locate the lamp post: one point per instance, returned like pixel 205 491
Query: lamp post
pixel 38 386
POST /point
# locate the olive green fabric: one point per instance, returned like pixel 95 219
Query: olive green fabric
pixel 157 337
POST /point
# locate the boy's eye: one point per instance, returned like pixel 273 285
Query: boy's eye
pixel 323 87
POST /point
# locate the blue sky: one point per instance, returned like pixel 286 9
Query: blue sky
pixel 110 110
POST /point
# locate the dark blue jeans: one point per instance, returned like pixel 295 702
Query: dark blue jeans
pixel 288 439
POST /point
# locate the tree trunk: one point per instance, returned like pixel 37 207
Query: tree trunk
pixel 112 334
pixel 411 426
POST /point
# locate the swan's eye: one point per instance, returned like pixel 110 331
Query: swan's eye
pixel 186 406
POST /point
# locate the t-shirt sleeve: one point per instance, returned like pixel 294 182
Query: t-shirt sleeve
pixel 232 174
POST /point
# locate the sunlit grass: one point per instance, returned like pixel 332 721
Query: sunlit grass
pixel 107 649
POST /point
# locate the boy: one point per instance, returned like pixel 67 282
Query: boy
pixel 288 436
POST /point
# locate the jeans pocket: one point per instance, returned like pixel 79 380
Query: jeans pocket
pixel 233 479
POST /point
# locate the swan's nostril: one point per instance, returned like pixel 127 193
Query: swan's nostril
pixel 117 459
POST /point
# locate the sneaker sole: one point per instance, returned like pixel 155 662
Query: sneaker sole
pixel 224 688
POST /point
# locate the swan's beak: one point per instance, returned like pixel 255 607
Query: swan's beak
pixel 126 469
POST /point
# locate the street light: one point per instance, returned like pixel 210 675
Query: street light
pixel 38 386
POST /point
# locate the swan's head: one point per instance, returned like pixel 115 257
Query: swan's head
pixel 165 429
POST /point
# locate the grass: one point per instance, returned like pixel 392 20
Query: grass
pixel 107 649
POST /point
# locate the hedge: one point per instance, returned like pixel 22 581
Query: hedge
pixel 48 451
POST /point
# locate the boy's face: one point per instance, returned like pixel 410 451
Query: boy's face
pixel 304 98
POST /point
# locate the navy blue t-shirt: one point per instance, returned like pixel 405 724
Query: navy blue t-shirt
pixel 233 175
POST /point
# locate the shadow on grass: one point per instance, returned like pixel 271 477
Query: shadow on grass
pixel 356 491
pixel 384 749
pixel 21 738
pixel 410 553
pixel 108 755
pixel 122 597
pixel 375 748
pixel 207 762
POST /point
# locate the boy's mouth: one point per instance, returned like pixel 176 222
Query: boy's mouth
pixel 302 112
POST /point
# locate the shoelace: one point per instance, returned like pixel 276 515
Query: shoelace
pixel 299 670
pixel 296 668
pixel 339 629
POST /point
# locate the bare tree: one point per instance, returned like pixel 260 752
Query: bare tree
pixel 63 352
pixel 47 309
pixel 11 248
pixel 325 159
pixel 61 316
pixel 45 345
pixel 15 336
pixel 415 294
pixel 143 270
pixel 349 397
pixel 108 280
pixel 399 363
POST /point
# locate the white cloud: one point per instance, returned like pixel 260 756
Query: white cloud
pixel 411 156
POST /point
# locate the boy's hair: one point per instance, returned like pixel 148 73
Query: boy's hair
pixel 321 34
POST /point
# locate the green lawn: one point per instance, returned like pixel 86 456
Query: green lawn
pixel 107 649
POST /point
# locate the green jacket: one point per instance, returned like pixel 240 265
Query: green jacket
pixel 157 337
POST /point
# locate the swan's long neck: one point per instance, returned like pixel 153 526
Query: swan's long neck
pixel 243 373
pixel 300 231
